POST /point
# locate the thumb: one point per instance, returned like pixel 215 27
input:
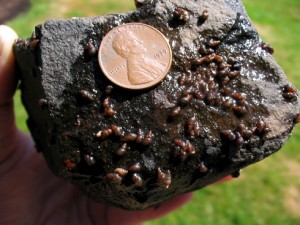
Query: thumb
pixel 8 83
pixel 7 79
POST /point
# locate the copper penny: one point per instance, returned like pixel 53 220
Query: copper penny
pixel 135 56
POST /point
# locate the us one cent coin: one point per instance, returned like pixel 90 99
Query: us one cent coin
pixel 135 56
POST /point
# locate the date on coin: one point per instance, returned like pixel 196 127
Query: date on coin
pixel 135 56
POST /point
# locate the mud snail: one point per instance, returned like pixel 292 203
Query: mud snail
pixel 212 115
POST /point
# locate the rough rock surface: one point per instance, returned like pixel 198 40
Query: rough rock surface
pixel 225 103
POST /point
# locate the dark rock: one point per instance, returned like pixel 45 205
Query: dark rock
pixel 225 103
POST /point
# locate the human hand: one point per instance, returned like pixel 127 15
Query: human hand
pixel 29 193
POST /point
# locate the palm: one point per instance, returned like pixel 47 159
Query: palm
pixel 29 193
pixel 35 196
pixel 32 193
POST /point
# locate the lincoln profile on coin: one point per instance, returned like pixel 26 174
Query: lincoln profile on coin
pixel 141 68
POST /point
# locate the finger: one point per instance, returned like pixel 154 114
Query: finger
pixel 138 217
pixel 116 215
pixel 227 178
pixel 8 83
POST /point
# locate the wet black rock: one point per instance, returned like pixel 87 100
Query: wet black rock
pixel 225 103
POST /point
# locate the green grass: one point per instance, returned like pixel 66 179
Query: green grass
pixel 24 24
pixel 261 195
pixel 282 20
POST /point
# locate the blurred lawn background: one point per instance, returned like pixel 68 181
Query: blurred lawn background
pixel 267 193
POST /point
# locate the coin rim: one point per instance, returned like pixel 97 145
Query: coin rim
pixel 140 86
